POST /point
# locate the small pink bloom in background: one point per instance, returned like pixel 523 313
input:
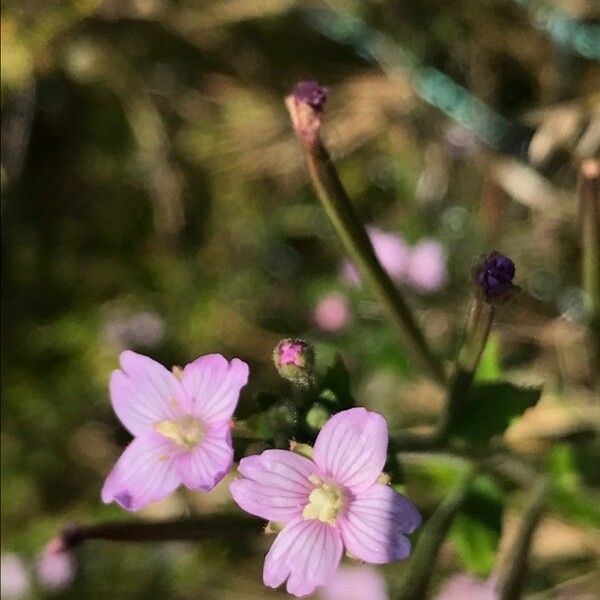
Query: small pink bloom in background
pixel 427 266
pixel 391 250
pixel 465 587
pixel 180 426
pixel 355 583
pixel 55 569
pixel 329 503
pixel 332 313
pixel 14 578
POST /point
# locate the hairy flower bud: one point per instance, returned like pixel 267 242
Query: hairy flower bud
pixel 494 276
pixel 294 360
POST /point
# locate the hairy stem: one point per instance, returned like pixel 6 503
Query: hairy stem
pixel 512 575
pixel 357 244
pixel 418 576
pixel 230 526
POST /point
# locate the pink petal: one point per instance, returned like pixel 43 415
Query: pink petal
pixel 355 583
pixel 144 473
pixel 306 553
pixel 204 466
pixel 144 392
pixel 213 385
pixel 351 448
pixel 276 485
pixel 373 524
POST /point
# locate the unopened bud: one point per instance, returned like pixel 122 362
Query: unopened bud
pixel 306 104
pixel 317 416
pixel 295 360
pixel 494 276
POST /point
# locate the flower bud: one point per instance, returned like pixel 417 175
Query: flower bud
pixel 311 93
pixel 494 276
pixel 317 416
pixel 294 360
pixel 305 105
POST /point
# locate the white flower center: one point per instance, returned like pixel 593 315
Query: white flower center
pixel 186 432
pixel 325 502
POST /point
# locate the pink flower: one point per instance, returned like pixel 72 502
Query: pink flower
pixel 14 578
pixel 355 583
pixel 427 266
pixel 329 503
pixel 56 570
pixel 180 425
pixel 332 312
pixel 392 252
pixel 464 587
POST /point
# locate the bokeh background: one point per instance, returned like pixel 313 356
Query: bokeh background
pixel 154 198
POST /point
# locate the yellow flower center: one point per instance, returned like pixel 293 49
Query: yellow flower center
pixel 186 432
pixel 325 502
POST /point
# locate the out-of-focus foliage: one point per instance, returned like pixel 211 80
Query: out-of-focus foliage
pixel 154 198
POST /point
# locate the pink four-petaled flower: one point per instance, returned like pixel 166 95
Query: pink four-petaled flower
pixel 329 503
pixel 180 424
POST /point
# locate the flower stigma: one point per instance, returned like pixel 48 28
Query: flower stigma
pixel 186 432
pixel 325 502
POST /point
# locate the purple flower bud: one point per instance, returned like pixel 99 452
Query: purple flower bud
pixel 294 360
pixel 311 93
pixel 494 276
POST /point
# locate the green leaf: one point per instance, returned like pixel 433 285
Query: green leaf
pixel 335 386
pixel 476 529
pixel 490 408
pixel 489 368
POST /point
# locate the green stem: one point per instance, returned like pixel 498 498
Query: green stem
pixel 589 194
pixel 512 576
pixel 357 244
pixel 229 526
pixel 418 576
pixel 479 325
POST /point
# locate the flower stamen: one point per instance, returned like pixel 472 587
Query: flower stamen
pixel 325 502
pixel 186 432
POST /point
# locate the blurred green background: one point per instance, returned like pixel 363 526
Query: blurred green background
pixel 154 198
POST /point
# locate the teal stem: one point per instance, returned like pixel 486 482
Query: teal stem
pixel 357 245
pixel 227 526
pixel 420 568
pixel 512 576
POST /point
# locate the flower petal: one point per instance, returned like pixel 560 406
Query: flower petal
pixel 373 524
pixel 144 473
pixel 213 385
pixel 355 583
pixel 351 448
pixel 144 392
pixel 276 485
pixel 205 465
pixel 306 553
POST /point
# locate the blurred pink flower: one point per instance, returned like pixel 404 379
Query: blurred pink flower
pixel 327 503
pixel 180 424
pixel 465 587
pixel 355 583
pixel 56 570
pixel 427 266
pixel 14 578
pixel 391 250
pixel 332 313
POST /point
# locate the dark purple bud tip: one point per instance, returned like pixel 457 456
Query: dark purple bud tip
pixel 311 93
pixel 494 276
